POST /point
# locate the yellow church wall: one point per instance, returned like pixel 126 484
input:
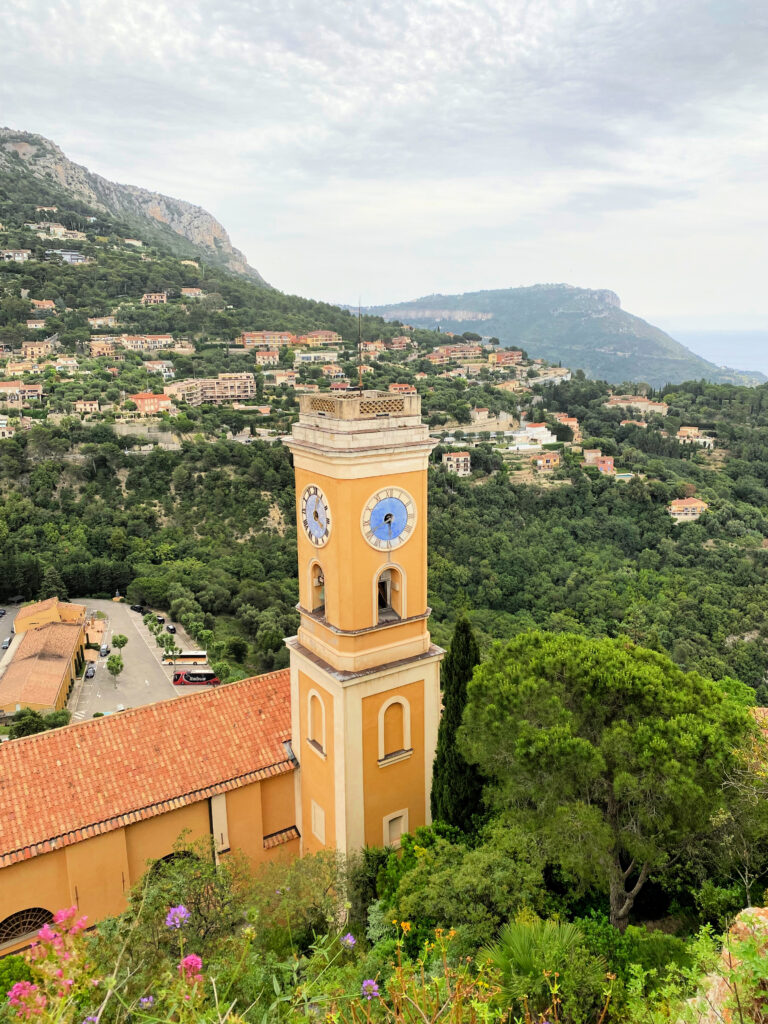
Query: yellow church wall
pixel 347 578
pixel 156 837
pixel 245 820
pixel 278 809
pixel 317 770
pixel 98 875
pixel 399 785
pixel 39 882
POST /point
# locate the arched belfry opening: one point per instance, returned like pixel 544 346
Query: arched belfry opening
pixel 389 595
pixel 317 589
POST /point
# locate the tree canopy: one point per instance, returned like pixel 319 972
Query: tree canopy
pixel 611 752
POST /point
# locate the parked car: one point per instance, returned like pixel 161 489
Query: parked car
pixel 160 619
pixel 105 648
pixel 170 628
pixel 138 608
pixel 90 672
pixel 6 643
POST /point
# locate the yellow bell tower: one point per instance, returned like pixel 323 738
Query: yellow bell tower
pixel 365 690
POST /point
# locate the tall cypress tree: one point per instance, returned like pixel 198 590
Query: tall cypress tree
pixel 456 785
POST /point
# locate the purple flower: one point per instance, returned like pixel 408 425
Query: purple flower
pixel 177 916
pixel 146 1001
pixel 370 989
pixel 348 940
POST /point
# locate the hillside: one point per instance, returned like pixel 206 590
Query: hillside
pixel 581 328
pixel 35 168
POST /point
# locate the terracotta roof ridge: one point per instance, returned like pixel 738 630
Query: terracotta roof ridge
pixel 211 693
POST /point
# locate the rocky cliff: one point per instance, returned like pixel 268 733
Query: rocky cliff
pixel 41 159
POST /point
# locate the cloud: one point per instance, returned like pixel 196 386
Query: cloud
pixel 448 140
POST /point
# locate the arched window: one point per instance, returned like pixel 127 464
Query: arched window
pixel 390 595
pixel 23 924
pixel 394 730
pixel 317 589
pixel 316 722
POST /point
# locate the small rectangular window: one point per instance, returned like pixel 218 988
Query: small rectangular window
pixel 318 822
pixel 394 827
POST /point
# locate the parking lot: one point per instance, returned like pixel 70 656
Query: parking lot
pixel 144 680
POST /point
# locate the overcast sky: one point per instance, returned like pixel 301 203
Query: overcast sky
pixel 387 150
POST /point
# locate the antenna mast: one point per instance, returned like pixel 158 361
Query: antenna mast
pixel 359 345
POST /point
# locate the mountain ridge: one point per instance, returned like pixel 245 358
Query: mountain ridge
pixel 583 328
pixel 45 162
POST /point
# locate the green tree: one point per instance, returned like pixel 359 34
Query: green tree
pixel 611 752
pixel 27 722
pixel 52 585
pixel 456 786
pixel 115 666
pixel 119 640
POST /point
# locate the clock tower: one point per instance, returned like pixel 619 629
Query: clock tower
pixel 365 691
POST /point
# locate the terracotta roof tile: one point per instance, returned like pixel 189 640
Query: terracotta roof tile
pixel 35 675
pixel 99 775
pixel 285 835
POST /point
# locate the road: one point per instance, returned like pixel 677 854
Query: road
pixel 144 680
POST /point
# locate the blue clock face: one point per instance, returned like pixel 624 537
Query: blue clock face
pixel 315 515
pixel 389 518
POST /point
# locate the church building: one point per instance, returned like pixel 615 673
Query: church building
pixel 335 751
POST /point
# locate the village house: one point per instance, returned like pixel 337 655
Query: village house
pixel 505 357
pixel 102 321
pixel 315 339
pixel 402 389
pixel 307 388
pixel 591 455
pixel 266 339
pixel 102 346
pixel 307 358
pixel 569 421
pixel 161 366
pixel 192 293
pixel 146 342
pixel 154 298
pixel 70 256
pixel 18 369
pixel 35 325
pixel 693 435
pixel 267 357
pixel 372 347
pixel 67 364
pixel 7 428
pixel 86 405
pixel 340 385
pixel 39 349
pixel 458 463
pixel 638 402
pixel 634 423
pixel 149 404
pixel 479 414
pixel 686 509
pixel 547 461
pixel 43 304
pixel 19 393
pixel 553 375
pixel 402 341
pixel 332 371
pixel 282 377
pixel 15 255
pixel 437 358
pixel 605 465
pixel 538 433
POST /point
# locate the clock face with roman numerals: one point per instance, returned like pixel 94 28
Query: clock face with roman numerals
pixel 389 518
pixel 315 515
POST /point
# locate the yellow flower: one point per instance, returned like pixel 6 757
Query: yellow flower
pixel 451 933
pixel 405 925
pixel 439 933
pixel 394 921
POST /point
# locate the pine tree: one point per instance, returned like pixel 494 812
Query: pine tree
pixel 52 585
pixel 456 785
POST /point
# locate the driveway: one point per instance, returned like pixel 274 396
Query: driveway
pixel 144 680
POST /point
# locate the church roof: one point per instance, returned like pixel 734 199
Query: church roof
pixel 66 785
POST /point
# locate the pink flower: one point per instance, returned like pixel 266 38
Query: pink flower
pixel 64 915
pixel 26 999
pixel 190 968
pixel 47 934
